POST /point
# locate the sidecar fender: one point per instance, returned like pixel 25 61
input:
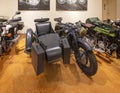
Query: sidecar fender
pixel 83 43
pixel 29 37
pixel 0 50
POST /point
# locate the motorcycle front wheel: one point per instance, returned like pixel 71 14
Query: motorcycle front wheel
pixel 87 61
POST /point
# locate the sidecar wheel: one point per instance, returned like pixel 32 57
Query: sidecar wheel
pixel 88 63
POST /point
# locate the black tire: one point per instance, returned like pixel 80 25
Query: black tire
pixel 91 60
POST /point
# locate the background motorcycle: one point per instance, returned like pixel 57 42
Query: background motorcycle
pixel 103 36
pixel 82 50
pixel 8 32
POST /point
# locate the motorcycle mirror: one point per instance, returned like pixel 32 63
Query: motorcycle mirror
pixel 59 19
pixel 18 12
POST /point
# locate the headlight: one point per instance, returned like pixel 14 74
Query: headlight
pixel 66 31
pixel 82 32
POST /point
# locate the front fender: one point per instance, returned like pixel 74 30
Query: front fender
pixel 83 43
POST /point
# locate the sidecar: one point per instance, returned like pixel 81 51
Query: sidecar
pixel 45 45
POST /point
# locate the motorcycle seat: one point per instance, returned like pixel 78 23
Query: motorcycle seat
pixel 88 25
pixel 16 19
pixel 3 20
pixel 41 20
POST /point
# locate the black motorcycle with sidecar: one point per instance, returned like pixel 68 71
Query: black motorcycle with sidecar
pixel 46 45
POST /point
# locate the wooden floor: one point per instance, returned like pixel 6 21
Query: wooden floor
pixel 17 75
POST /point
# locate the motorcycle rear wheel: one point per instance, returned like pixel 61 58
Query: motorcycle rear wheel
pixel 87 62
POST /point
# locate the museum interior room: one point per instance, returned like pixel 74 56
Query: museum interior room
pixel 59 46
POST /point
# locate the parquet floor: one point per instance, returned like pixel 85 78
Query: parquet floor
pixel 17 75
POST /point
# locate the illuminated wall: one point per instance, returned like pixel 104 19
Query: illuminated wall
pixel 8 7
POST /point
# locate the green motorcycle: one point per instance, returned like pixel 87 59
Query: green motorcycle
pixel 104 36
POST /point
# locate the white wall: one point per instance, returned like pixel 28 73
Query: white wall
pixel 8 7
pixel 118 9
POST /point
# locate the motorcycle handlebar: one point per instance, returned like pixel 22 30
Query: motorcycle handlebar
pixel 15 19
pixel 67 26
pixel 59 19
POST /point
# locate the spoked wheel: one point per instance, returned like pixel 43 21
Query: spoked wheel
pixel 71 1
pixel 61 1
pixel 82 2
pixel 46 2
pixel 87 61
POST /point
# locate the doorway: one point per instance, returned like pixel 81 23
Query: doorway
pixel 109 8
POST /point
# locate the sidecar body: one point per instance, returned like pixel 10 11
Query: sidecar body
pixel 45 45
